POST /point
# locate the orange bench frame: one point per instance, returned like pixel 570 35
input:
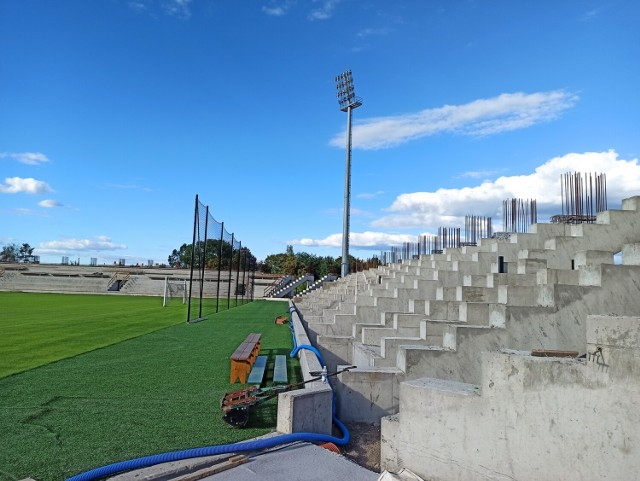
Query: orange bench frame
pixel 243 358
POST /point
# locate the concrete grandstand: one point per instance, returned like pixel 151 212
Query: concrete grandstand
pixel 517 358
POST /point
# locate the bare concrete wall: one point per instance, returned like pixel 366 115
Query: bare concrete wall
pixel 531 418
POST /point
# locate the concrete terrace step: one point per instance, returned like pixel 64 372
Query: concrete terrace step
pixel 442 310
pixel 373 335
pixel 515 279
pixel 433 410
pixel 392 320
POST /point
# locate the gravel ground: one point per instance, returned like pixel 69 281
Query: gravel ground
pixel 364 445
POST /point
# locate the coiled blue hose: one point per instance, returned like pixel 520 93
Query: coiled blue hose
pixel 265 443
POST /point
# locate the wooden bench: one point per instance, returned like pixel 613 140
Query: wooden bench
pixel 244 357
pixel 280 370
pixel 257 371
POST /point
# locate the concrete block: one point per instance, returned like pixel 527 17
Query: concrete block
pixel 592 257
pixel 389 347
pixel 549 230
pixel 365 355
pixel 305 410
pixel 469 267
pixel 590 275
pixel 373 335
pixel 519 295
pixel 475 313
pixel 475 280
pixel 406 319
pixel 367 395
pixel 631 203
pixel 631 254
pixel 450 337
pixel 616 217
pixel 446 293
pixel 442 310
pixel 527 266
pixel 389 431
pixel 335 350
pixel 558 276
pixel 484 261
pixel 622 332
pixel 475 294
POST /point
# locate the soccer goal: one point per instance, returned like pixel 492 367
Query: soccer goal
pixel 174 289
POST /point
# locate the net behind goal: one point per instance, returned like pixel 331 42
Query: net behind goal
pixel 174 289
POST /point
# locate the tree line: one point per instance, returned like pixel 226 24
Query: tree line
pixel 16 253
pixel 214 254
pixel 297 264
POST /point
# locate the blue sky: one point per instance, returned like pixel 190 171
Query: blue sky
pixel 114 114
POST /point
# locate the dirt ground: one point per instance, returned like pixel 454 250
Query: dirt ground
pixel 364 445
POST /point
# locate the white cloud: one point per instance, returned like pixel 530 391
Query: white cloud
pixel 362 240
pixel 139 5
pixel 369 195
pixel 24 212
pixel 478 118
pixel 278 8
pixel 127 187
pixel 178 8
pixel 30 158
pixel 368 32
pixel 325 11
pixel 479 174
pixel 277 11
pixel 100 243
pixel 15 185
pixel 360 212
pixel 447 207
pixel 49 203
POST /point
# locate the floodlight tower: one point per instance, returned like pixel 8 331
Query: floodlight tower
pixel 348 101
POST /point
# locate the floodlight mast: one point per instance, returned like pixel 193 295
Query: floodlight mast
pixel 348 101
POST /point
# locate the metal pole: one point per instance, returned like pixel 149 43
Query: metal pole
pixel 253 275
pixel 238 271
pixel 347 198
pixel 219 265
pixel 203 261
pixel 230 270
pixel 196 224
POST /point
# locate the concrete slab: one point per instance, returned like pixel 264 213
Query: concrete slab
pixel 294 461
pixel 299 461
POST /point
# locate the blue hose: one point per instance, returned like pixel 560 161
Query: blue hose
pixel 266 443
pixel 310 348
pixel 147 461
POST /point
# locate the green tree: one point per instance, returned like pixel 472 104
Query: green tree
pixel 25 252
pixel 174 259
pixel 213 253
pixel 275 264
pixel 9 253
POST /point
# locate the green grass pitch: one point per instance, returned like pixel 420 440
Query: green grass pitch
pixel 130 379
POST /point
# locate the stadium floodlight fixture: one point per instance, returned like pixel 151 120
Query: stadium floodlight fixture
pixel 348 101
pixel 346 92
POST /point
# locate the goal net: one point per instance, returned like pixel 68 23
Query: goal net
pixel 174 289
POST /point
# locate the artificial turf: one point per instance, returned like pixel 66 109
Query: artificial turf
pixel 149 394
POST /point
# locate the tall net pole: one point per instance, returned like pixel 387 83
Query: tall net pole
pixel 230 270
pixel 219 266
pixel 193 245
pixel 238 269
pixel 203 260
